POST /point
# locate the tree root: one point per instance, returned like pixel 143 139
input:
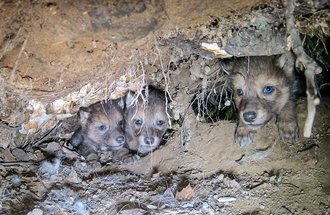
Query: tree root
pixel 311 68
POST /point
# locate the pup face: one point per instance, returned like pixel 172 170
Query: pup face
pixel 103 125
pixel 261 90
pixel 148 121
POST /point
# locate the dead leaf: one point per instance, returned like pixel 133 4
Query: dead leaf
pixel 185 194
pixel 73 178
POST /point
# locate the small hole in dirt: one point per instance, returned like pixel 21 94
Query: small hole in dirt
pixel 214 23
pixel 184 182
pixel 318 49
pixel 51 4
pixel 272 172
pixel 172 66
pixel 214 105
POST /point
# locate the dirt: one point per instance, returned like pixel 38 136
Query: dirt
pixel 224 178
pixel 56 56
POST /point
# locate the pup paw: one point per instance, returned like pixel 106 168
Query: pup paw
pixel 244 136
pixel 92 157
pixel 288 131
pixel 130 159
pixel 124 156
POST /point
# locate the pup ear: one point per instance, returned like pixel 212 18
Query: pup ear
pixel 286 62
pixel 121 103
pixel 84 113
pixel 129 99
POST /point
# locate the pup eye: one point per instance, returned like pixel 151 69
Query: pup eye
pixel 102 127
pixel 268 90
pixel 159 122
pixel 138 122
pixel 239 92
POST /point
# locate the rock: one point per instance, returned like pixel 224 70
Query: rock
pixel 36 211
pixel 152 207
pixel 226 199
pixel 16 180
pixel 50 168
pixel 20 155
pixel 81 206
pixel 7 155
pixel 233 183
pixel 221 177
pixel 53 147
pixel 73 178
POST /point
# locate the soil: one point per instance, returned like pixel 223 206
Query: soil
pixel 56 56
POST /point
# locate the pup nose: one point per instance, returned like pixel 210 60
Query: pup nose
pixel 120 139
pixel 249 116
pixel 149 140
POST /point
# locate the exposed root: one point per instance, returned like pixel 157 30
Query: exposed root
pixel 167 83
pixel 12 73
pixel 10 45
pixel 138 94
pixel 311 68
pixel 137 71
pixel 213 96
pixel 48 135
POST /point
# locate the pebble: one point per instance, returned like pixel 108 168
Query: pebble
pixel 233 183
pixel 221 177
pixel 205 205
pixel 226 199
pixel 50 168
pixel 272 179
pixel 74 178
pixel 207 69
pixel 188 205
pixel 16 180
pixel 36 211
pixel 20 154
pixel 152 207
pixel 53 147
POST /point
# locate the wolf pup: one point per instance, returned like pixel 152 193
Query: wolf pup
pixel 263 90
pixel 146 120
pixel 102 129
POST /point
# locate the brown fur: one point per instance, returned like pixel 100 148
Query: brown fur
pixel 252 75
pixel 151 112
pixel 102 129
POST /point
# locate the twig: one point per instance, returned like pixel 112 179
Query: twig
pixel 19 163
pixel 11 77
pixel 311 68
pixel 167 83
pixel 45 137
pixel 10 44
pixel 4 125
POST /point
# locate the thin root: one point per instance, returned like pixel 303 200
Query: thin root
pixel 311 68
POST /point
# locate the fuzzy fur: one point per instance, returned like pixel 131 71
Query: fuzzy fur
pixel 150 109
pixel 102 129
pixel 251 78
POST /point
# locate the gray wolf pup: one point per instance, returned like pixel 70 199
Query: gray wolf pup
pixel 263 90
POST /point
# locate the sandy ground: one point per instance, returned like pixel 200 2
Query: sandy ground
pixel 210 176
pixel 56 56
